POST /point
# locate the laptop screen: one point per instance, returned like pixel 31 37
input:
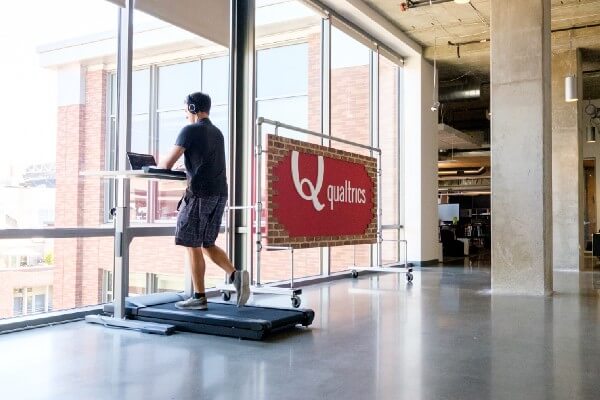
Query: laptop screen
pixel 138 161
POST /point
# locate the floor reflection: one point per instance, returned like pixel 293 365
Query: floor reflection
pixel 445 336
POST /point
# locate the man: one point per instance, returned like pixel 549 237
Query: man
pixel 201 208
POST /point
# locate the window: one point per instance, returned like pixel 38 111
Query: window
pixel 390 158
pixel 107 286
pixel 18 303
pixel 156 126
pixel 175 82
pixel 67 267
pixel 163 268
pixel 65 61
pixel 140 140
pixel 41 166
pixel 350 109
pixel 288 90
pixel 32 300
pixel 215 82
pixel 282 86
pixel 73 67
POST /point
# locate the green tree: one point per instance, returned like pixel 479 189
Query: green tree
pixel 49 259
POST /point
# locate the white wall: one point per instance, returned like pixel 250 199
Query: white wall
pixel 421 152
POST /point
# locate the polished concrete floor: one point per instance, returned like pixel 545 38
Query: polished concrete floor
pixel 443 337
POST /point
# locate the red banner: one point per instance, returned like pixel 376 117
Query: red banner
pixel 320 196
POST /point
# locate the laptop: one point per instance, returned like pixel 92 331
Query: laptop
pixel 147 163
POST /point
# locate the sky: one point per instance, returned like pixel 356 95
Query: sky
pixel 28 91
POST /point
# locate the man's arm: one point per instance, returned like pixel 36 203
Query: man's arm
pixel 171 159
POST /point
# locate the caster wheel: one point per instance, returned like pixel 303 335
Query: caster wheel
pixel 354 274
pixel 409 277
pixel 296 301
pixel 226 296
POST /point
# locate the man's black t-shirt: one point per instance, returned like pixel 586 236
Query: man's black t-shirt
pixel 204 159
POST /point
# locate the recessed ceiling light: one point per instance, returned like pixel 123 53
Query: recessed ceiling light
pixel 462 1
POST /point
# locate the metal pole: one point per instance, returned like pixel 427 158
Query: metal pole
pixel 376 255
pixel 379 214
pixel 227 237
pixel 326 137
pixel 400 159
pixel 258 190
pixel 325 113
pixel 241 123
pixel 153 189
pixel 292 282
pixel 122 239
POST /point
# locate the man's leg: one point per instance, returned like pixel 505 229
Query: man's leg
pixel 240 279
pixel 219 257
pixel 197 267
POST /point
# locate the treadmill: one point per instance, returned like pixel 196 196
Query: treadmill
pixel 156 313
pixel 221 318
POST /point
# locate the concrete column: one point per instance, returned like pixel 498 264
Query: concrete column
pixel 567 166
pixel 420 162
pixel 521 147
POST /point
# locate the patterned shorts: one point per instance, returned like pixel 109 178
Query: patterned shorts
pixel 199 221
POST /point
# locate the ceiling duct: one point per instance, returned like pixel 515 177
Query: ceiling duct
pixel 422 3
pixel 463 90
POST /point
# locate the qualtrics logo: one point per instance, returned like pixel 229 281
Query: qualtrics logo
pixel 335 193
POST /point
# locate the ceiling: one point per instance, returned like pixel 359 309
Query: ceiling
pixel 439 24
pixel 465 67
pixel 450 138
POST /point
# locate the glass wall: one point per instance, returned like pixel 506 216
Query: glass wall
pixel 69 63
pixel 171 84
pixel 390 157
pixel 53 68
pixel 282 86
pixel 40 275
pixel 54 116
pixel 163 268
pixel 288 90
pixel 350 112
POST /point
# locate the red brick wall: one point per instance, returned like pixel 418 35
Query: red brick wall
pixel 94 147
pixel 69 146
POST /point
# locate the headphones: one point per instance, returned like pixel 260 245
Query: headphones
pixel 190 105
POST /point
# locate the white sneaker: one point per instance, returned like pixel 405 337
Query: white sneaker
pixel 241 281
pixel 193 304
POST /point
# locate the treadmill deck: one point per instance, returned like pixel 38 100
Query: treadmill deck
pixel 223 319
